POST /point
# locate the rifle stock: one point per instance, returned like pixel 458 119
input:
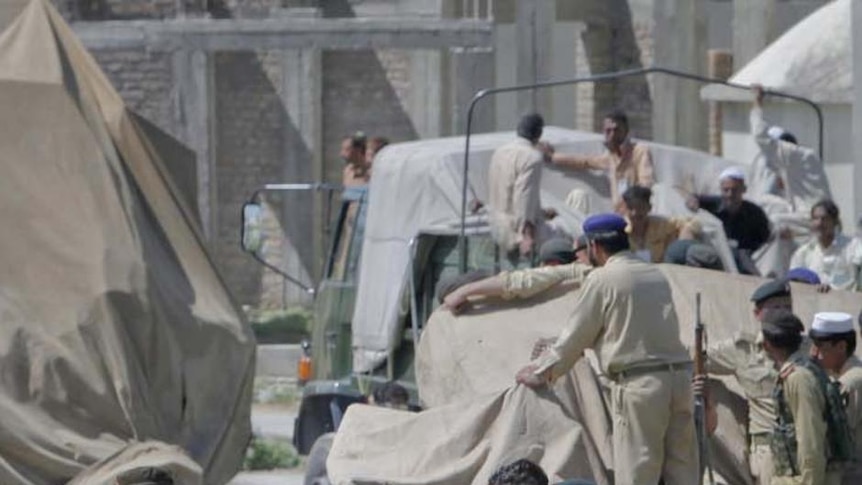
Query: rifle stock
pixel 700 399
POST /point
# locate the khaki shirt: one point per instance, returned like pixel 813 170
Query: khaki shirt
pixel 660 233
pixel 525 283
pixel 851 385
pixel 807 405
pixel 514 180
pixel 742 358
pixel 625 312
pixel 632 166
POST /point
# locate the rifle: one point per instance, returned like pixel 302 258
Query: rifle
pixel 700 398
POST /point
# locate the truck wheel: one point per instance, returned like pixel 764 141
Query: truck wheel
pixel 315 468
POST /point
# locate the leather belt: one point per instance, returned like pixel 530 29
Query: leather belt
pixel 641 370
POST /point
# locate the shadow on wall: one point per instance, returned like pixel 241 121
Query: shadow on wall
pixel 359 95
pixel 611 45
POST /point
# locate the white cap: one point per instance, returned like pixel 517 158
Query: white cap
pixel 732 173
pixel 775 132
pixel 831 323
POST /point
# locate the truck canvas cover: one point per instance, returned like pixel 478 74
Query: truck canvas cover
pixel 477 418
pixel 417 186
pixel 120 348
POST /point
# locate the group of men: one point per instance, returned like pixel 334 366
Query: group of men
pixel 357 152
pixel 519 223
pixel 803 390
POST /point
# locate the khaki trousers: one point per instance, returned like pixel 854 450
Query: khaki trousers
pixel 653 429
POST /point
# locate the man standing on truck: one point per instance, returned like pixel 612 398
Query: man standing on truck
pixel 518 222
pixel 626 162
pixel 625 312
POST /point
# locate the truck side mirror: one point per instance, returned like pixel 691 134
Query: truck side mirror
pixel 252 227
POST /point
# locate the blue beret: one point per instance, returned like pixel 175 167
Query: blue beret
pixel 603 224
pixel 803 275
pixel 771 289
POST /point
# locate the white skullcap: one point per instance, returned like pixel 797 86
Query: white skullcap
pixel 732 173
pixel 831 323
pixel 775 132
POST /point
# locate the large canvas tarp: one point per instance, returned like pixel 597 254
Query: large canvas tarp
pixel 116 328
pixel 417 186
pixel 477 419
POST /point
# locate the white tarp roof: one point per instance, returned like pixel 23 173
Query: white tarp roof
pixel 417 185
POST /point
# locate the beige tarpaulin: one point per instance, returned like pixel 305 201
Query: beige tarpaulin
pixel 466 363
pixel 116 328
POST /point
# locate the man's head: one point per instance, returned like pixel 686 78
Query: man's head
pixel 353 148
pixel 770 297
pixel 531 126
pixel 615 128
pixel 834 339
pixel 390 395
pixel 607 236
pixel 521 472
pixel 374 145
pixel 637 203
pixel 782 334
pixel 732 183
pixel 556 251
pixel 779 133
pixel 582 253
pixel 825 219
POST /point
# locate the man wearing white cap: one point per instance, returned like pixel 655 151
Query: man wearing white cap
pixel 745 223
pixel 783 168
pixel 834 340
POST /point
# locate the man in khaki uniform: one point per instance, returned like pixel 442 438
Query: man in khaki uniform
pixel 625 312
pixel 742 358
pixel 799 435
pixel 626 162
pixel 834 342
pixel 558 265
pixel 518 223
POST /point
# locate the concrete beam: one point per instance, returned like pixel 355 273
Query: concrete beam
pixel 276 34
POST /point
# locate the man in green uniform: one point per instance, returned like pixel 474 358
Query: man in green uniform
pixel 834 342
pixel 799 434
pixel 742 358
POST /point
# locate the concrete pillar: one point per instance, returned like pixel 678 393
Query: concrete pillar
pixel 303 161
pixel 679 117
pixel 193 73
pixel 752 29
pixel 720 67
pixel 856 12
pixel 425 97
pixel 534 22
pixel 470 70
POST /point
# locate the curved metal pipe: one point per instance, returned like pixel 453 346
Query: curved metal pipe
pixel 462 263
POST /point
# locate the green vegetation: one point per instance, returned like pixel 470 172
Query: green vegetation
pixel 281 326
pixel 263 454
pixel 276 390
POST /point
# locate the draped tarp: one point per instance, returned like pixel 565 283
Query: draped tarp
pixel 477 420
pixel 116 328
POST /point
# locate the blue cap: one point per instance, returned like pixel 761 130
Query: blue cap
pixel 604 225
pixel 803 275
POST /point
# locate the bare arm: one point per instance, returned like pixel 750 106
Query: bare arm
pixel 580 162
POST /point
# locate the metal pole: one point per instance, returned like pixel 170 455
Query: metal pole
pixel 462 266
